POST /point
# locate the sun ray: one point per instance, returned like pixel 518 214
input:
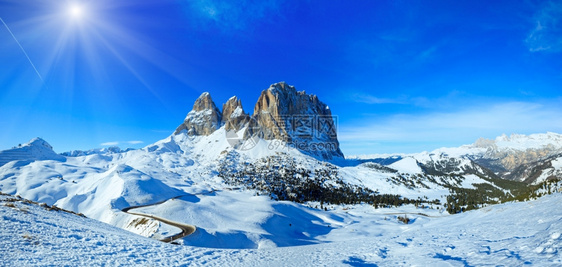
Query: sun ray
pixel 130 68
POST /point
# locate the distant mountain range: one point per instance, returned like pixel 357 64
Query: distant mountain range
pixel 527 158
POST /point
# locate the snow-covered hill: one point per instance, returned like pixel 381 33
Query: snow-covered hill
pixel 514 234
pixel 101 185
pixel 36 149
pixel 101 151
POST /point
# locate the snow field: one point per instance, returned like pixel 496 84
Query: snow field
pixel 508 234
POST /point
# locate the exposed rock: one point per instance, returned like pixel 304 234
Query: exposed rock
pixel 281 113
pixel 512 159
pixel 518 157
pixel 233 115
pixel 536 171
pixel 203 119
pixel 300 119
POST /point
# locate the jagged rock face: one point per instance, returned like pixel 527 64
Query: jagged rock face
pixel 282 113
pixel 203 119
pixel 535 172
pixel 233 115
pixel 519 157
pixel 513 159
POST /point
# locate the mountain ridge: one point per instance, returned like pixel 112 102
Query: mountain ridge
pixel 281 113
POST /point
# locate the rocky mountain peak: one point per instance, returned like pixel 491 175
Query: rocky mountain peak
pixel 233 115
pixel 203 119
pixel 204 102
pixel 281 113
pixel 283 99
pixel 298 118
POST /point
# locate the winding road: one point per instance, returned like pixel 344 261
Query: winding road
pixel 186 229
pixel 410 213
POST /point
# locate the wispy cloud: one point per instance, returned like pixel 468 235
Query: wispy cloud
pixel 454 128
pixel 371 99
pixel 116 143
pixel 427 53
pixel 230 15
pixel 418 101
pixel 112 143
pixel 547 32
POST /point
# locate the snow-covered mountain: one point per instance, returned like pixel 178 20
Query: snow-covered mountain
pixel 517 157
pixel 36 149
pixel 548 142
pixel 243 181
pixel 527 158
pixel 291 118
pixel 101 151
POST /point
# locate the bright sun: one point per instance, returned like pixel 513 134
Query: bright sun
pixel 76 11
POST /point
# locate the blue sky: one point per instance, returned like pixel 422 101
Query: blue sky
pixel 402 76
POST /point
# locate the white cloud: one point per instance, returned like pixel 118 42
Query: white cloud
pixel 453 128
pixel 113 143
pixel 418 101
pixel 546 34
pixel 370 99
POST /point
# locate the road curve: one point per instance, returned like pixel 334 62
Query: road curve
pixel 186 229
pixel 411 213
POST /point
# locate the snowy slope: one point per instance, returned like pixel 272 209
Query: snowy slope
pixel 36 149
pixel 101 151
pixel 101 185
pixel 406 165
pixel 553 170
pixel 181 175
pixel 511 234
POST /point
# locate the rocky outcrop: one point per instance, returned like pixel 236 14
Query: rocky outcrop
pixel 203 119
pixel 518 157
pixel 281 113
pixel 298 118
pixel 536 171
pixel 233 115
